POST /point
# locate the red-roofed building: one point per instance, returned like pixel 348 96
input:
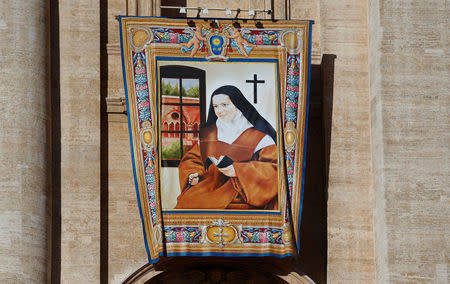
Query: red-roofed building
pixel 177 119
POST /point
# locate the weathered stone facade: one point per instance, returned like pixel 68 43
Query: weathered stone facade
pixel 387 152
pixel 79 31
pixel 24 142
pixel 409 67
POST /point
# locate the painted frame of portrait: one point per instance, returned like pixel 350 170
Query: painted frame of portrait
pixel 167 112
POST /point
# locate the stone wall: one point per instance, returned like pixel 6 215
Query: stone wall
pixel 410 138
pixel 388 157
pixel 24 145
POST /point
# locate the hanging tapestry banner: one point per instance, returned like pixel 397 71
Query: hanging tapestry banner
pixel 217 114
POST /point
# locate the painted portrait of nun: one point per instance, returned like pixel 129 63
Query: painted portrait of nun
pixel 235 165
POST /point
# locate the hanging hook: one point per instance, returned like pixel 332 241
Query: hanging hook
pixel 235 22
pixel 238 11
pixel 198 12
pixel 258 23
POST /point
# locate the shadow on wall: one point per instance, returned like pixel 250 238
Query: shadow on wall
pixel 313 230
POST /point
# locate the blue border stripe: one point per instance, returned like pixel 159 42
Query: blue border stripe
pixel 218 254
pixel 228 254
pixel 305 141
pixel 131 143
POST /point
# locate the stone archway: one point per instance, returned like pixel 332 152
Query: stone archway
pixel 194 270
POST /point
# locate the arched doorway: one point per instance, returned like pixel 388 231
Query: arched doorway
pixel 214 270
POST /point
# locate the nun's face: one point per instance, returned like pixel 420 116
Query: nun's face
pixel 223 107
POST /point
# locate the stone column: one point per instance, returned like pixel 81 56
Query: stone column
pixel 24 147
pixel 80 140
pixel 409 71
pixel 350 207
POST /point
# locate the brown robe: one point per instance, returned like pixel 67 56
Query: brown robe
pixel 254 187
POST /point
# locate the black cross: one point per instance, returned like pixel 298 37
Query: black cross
pixel 255 81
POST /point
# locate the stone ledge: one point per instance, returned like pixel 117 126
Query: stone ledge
pixel 113 48
pixel 116 105
pixel 316 57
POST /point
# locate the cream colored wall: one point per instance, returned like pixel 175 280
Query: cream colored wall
pixel 24 144
pixel 79 28
pixel 351 255
pixel 409 71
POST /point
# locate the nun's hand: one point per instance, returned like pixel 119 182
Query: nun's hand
pixel 228 171
pixel 193 179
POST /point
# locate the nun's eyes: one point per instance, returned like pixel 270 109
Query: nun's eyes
pixel 223 105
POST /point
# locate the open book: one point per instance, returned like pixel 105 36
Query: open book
pixel 222 162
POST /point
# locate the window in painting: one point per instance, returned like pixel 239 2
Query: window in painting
pixel 182 93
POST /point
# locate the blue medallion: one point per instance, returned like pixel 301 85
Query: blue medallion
pixel 216 43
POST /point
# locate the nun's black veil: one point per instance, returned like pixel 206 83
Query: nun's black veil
pixel 247 109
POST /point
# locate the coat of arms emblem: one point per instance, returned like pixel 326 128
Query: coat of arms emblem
pixel 217 46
